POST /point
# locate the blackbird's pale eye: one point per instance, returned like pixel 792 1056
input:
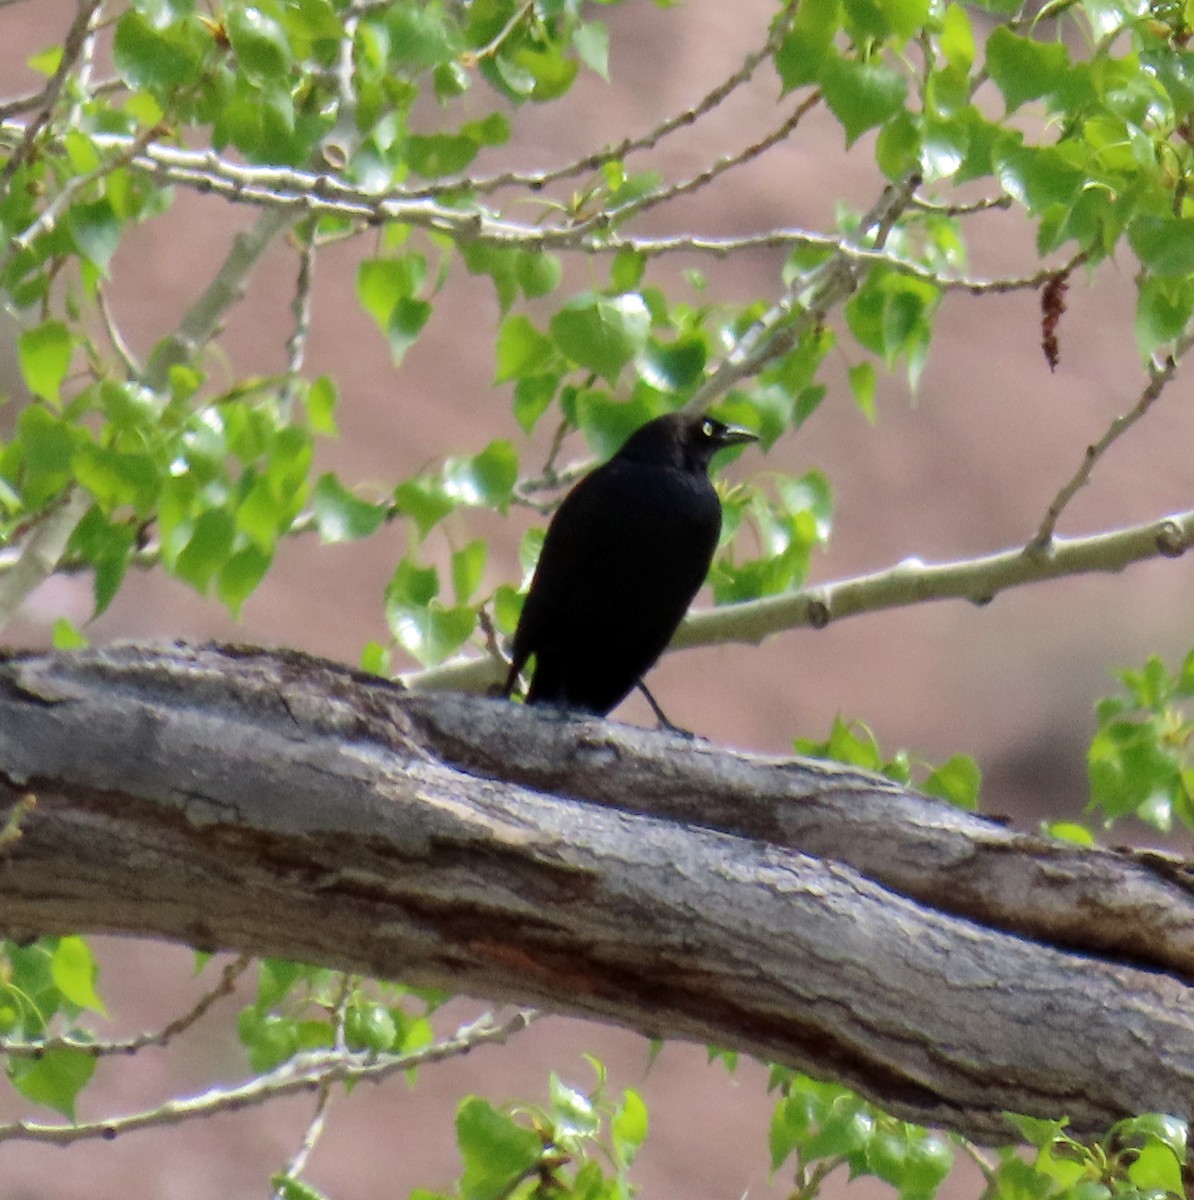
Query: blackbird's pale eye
pixel 708 427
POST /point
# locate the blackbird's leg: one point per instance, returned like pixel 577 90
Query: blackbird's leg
pixel 664 723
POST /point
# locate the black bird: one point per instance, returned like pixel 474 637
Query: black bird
pixel 623 557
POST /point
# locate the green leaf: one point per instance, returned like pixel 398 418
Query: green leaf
pixel 370 1027
pixel 406 323
pixel 66 637
pixel 602 334
pixel 386 288
pixel 899 148
pixel 551 74
pixel 1023 69
pixel 468 568
pixel 806 48
pixel 574 1114
pixel 496 1151
pixel 263 514
pixel 957 37
pixel 521 349
pixel 627 270
pixel 207 549
pixel 95 230
pixel 420 35
pixel 55 1079
pixel 320 400
pixel 878 20
pixel 629 1126
pixel 151 59
pixel 538 272
pixel 1069 831
pixel 440 154
pixel 107 546
pixel 432 633
pixel 44 353
pixel 342 516
pixel 74 972
pixel 1157 1170
pixel 412 585
pixel 957 781
pixel 1160 1129
pixel 676 366
pixel 532 396
pixel 591 40
pixel 891 316
pixel 425 501
pixel 499 263
pixel 48 447
pixel 240 575
pixel 485 480
pixel 116 479
pixel 290 1188
pixel 1165 245
pixel 260 43
pixel 862 385
pixel 375 659
pixel 861 95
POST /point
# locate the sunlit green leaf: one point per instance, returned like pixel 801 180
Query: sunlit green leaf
pixel 804 51
pixel 496 1150
pixel 259 41
pixel 342 516
pixel 602 333
pixel 861 95
pixel 54 1079
pixel 1024 69
pixel 957 780
pixel 44 353
pixel 74 972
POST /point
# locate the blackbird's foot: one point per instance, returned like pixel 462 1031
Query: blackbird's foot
pixel 664 724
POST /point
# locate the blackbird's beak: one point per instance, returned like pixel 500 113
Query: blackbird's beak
pixel 735 435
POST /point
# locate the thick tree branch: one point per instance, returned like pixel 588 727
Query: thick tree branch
pixel 271 803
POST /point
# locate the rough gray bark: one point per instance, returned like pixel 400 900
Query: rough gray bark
pixel 941 964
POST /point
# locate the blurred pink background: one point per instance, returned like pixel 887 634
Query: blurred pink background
pixel 966 466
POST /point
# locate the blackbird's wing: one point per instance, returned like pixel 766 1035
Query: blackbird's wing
pixel 628 549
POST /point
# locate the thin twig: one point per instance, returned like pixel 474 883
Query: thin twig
pixel 323 1098
pixel 538 180
pixel 320 194
pixel 73 46
pixel 304 1073
pixel 1160 375
pixel 495 43
pixel 300 308
pixel 987 1166
pixel 910 582
pixel 225 986
pixel 987 204
pixel 22 104
pixel 123 352
pixel 48 217
pixel 719 166
pixel 806 302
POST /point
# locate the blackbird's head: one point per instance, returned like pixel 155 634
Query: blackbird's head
pixel 685 440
